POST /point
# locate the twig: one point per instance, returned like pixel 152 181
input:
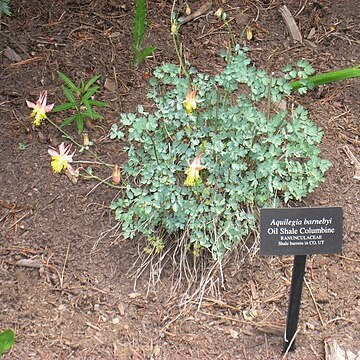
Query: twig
pixel 315 303
pixel 98 184
pixel 354 161
pixel 347 258
pixel 63 269
pixel 291 342
pixel 202 10
pixel 26 61
pixel 17 221
pixel 290 23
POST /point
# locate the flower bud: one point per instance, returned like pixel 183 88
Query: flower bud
pixel 116 175
pixel 86 141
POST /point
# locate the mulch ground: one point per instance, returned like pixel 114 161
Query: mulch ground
pixel 65 271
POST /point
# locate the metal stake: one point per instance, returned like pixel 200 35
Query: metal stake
pixel 294 302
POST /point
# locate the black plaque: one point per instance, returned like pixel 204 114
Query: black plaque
pixel 301 231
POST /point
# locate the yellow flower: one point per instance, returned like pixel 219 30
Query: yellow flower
pixel 190 102
pixel 40 108
pixel 61 160
pixel 173 29
pixel 219 12
pixel 193 171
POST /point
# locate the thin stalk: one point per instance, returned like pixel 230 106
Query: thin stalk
pixel 175 36
pixel 154 145
pixel 79 145
pixel 102 181
pixel 326 78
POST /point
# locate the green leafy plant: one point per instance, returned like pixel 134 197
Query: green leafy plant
pixel 215 149
pixel 7 338
pixel 5 8
pixel 139 28
pixel 80 101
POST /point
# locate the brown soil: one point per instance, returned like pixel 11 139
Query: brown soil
pixel 81 303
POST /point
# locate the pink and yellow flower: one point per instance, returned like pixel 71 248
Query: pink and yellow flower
pixel 193 171
pixel 61 160
pixel 40 108
pixel 190 102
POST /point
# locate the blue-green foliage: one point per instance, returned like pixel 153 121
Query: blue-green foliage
pixel 5 8
pixel 251 158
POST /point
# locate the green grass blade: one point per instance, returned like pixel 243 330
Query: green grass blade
pixel 139 56
pixel 67 121
pixel 139 23
pixel 326 78
pixel 97 103
pixel 63 107
pixel 7 338
pixel 69 95
pixel 79 119
pixel 90 92
pixel 90 82
pixel 68 82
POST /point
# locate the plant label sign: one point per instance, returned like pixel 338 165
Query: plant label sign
pixel 301 231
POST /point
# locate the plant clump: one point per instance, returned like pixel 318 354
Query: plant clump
pixel 215 149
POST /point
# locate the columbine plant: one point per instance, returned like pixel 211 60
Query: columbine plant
pixel 40 108
pixel 80 101
pixel 204 160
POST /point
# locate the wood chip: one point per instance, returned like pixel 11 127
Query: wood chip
pixel 31 263
pixel 254 293
pixel 290 24
pixel 121 309
pixel 11 54
pixel 134 295
pixel 110 85
pixel 354 161
pixel 334 352
pixel 271 329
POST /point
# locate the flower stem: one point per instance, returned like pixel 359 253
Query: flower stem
pixel 177 42
pixel 99 161
pixel 102 181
